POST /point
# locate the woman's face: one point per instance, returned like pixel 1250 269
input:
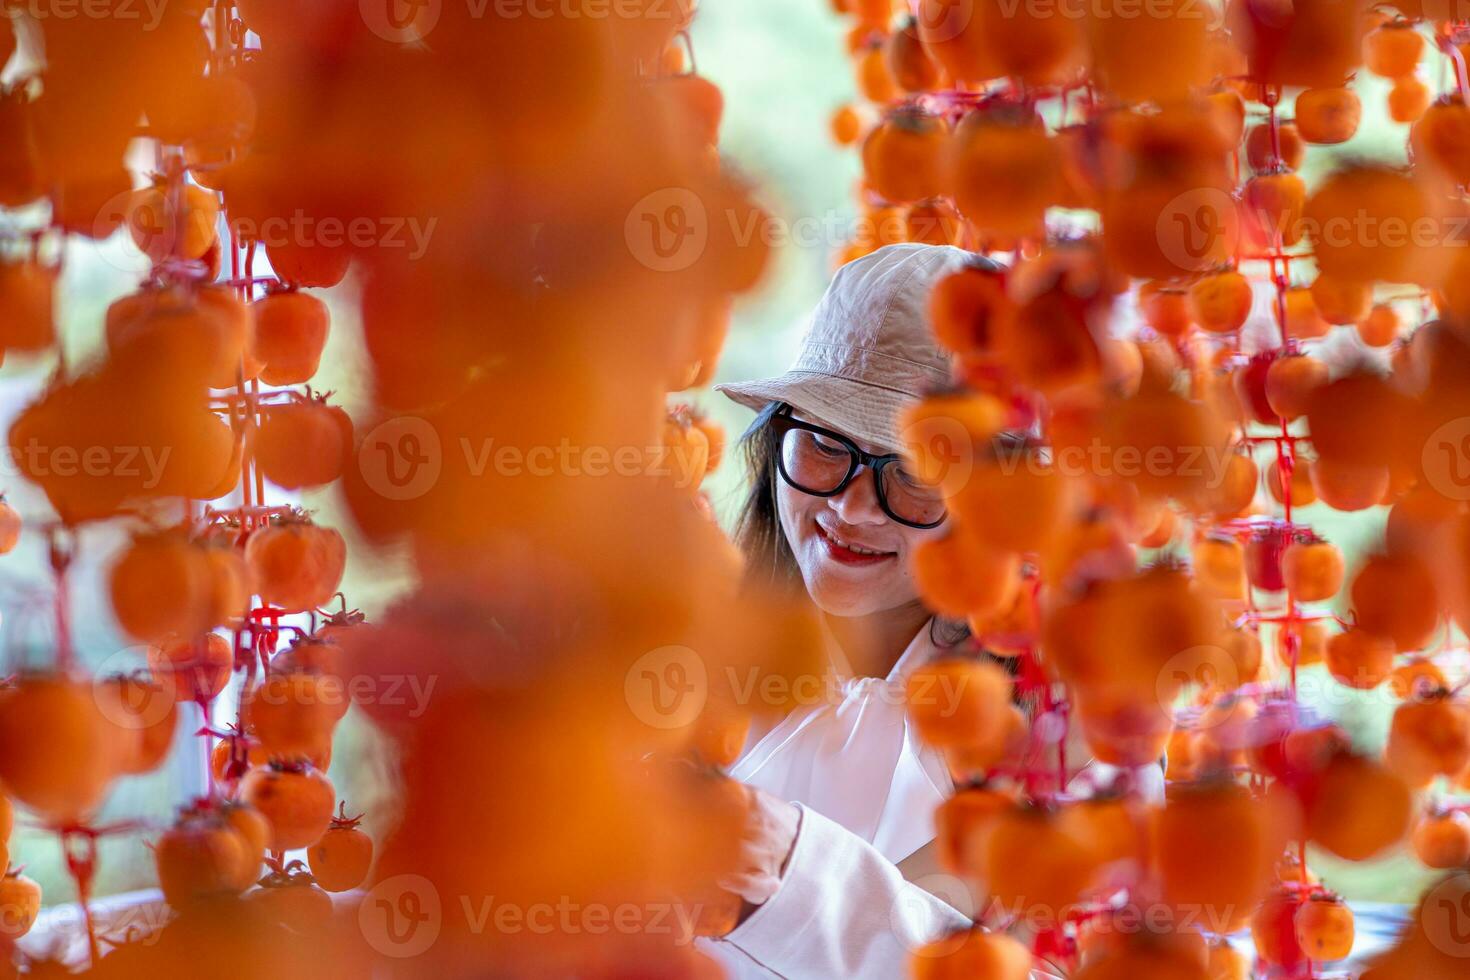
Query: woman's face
pixel 853 557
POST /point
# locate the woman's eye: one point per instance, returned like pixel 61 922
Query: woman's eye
pixel 911 482
pixel 827 447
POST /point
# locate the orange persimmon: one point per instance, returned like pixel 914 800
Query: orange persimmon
pixel 1327 116
pixel 957 702
pixel 296 564
pixel 1324 928
pixel 1313 569
pixel 295 799
pixel 1359 659
pixel 340 860
pixel 290 333
pixel 904 156
pixel 1442 840
pixel 1396 596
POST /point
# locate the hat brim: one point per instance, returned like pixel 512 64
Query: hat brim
pixel 865 412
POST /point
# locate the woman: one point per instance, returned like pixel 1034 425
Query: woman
pixel 844 793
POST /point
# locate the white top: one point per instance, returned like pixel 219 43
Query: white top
pixel 867 789
pixel 856 759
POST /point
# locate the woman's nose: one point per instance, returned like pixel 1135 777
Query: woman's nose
pixel 858 503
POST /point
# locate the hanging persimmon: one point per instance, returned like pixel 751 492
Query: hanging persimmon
pixel 1312 568
pixel 1298 488
pixel 1032 44
pixel 958 702
pixel 10 526
pixel 1219 567
pixel 20 164
pixel 1429 737
pixel 1396 596
pixel 308 264
pixel 20 897
pixel 1288 150
pixel 1273 931
pixel 1380 327
pixel 1039 863
pixel 27 318
pixel 173 222
pixel 1409 99
pixel 846 125
pixel 1006 171
pixel 254 834
pixel 1342 301
pixel 58 754
pixel 933 222
pixel 293 715
pixel 904 156
pixel 955 38
pixel 1359 809
pixel 1308 42
pixel 1221 302
pixel 1358 659
pixel 1393 50
pixel 1166 307
pixel 1417 678
pixel 875 80
pixel 1215 846
pixel 161 587
pixel 908 61
pixel 1442 840
pixel 1303 642
pixel 1349 486
pixel 340 860
pixel 1441 138
pixel 296 565
pixel 290 333
pixel 1357 199
pixel 302 444
pixel 1327 116
pixel 1155 58
pixel 1273 204
pixel 295 799
pixel 963 308
pixel 207 339
pixel 198 858
pixel 976 953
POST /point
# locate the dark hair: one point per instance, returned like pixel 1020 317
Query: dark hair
pixel 770 564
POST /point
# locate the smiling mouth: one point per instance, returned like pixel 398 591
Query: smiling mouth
pixel 849 552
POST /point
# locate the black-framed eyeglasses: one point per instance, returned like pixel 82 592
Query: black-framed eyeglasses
pixel 823 463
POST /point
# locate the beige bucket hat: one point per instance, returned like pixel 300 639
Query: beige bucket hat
pixel 868 351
